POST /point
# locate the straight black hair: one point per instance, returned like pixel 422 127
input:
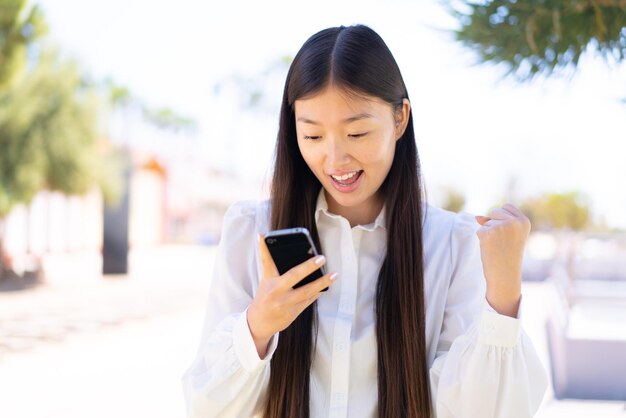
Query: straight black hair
pixel 356 60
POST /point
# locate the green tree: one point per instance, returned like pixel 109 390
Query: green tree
pixel 20 25
pixel 540 36
pixel 558 211
pixel 48 135
pixel 51 118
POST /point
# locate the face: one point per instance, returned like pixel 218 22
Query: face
pixel 348 142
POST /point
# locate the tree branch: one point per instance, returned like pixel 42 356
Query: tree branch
pixel 612 3
pixel 599 20
pixel 530 28
pixel 556 22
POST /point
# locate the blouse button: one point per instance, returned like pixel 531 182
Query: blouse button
pixel 338 398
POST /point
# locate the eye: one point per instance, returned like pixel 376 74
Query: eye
pixel 312 138
pixel 358 135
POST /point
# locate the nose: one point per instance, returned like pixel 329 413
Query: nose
pixel 336 153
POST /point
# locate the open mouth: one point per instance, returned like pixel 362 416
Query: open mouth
pixel 346 181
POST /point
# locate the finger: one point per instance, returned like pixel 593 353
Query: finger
pixel 301 306
pixel 488 225
pixel 510 209
pixel 482 219
pixel 513 209
pixel 520 216
pixel 501 214
pixel 299 272
pixel 491 224
pixel 309 290
pixel 267 262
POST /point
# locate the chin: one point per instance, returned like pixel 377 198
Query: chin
pixel 345 200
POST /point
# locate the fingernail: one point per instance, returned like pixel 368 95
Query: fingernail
pixel 334 276
pixel 319 259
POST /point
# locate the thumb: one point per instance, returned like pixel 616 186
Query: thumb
pixel 482 219
pixel 267 263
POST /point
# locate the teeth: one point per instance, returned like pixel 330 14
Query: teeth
pixel 345 176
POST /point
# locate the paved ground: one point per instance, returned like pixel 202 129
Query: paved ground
pixel 112 347
pixel 117 347
pixel 164 281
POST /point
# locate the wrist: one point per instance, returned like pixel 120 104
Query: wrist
pixel 505 306
pixel 261 341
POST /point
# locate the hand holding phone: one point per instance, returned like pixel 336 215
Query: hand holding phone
pixel 278 300
pixel 290 247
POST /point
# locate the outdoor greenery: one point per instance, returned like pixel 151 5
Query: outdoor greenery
pixel 533 37
pixel 19 27
pixel 544 37
pixel 49 133
pixel 570 210
pixel 53 119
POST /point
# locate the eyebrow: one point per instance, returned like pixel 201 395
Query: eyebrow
pixel 348 120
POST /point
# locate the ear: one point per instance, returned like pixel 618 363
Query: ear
pixel 402 118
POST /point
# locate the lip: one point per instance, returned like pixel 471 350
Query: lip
pixel 347 189
pixel 342 172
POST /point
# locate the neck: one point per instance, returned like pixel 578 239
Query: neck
pixel 363 214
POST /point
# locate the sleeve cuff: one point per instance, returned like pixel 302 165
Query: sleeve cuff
pixel 245 348
pixel 489 308
pixel 498 330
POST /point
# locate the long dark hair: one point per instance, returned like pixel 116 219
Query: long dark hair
pixel 355 59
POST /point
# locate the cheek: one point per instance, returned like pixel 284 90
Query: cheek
pixel 309 154
pixel 378 153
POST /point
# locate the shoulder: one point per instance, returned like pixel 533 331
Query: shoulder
pixel 245 208
pixel 444 224
pixel 451 238
pixel 247 214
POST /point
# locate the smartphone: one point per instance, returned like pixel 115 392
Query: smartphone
pixel 290 247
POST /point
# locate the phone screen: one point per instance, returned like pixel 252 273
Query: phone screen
pixel 291 247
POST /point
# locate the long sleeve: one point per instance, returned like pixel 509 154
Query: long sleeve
pixel 227 378
pixel 485 366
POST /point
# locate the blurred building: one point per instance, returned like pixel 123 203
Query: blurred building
pixel 170 202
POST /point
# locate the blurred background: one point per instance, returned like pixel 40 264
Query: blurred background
pixel 127 128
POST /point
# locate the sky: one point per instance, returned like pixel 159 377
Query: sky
pixel 476 132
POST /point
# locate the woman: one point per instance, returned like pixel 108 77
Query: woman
pixel 420 318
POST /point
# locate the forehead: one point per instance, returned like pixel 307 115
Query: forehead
pixel 335 105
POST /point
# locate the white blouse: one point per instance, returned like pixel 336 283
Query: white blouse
pixel 482 364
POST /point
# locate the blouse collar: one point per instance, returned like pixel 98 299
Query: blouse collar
pixel 322 206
